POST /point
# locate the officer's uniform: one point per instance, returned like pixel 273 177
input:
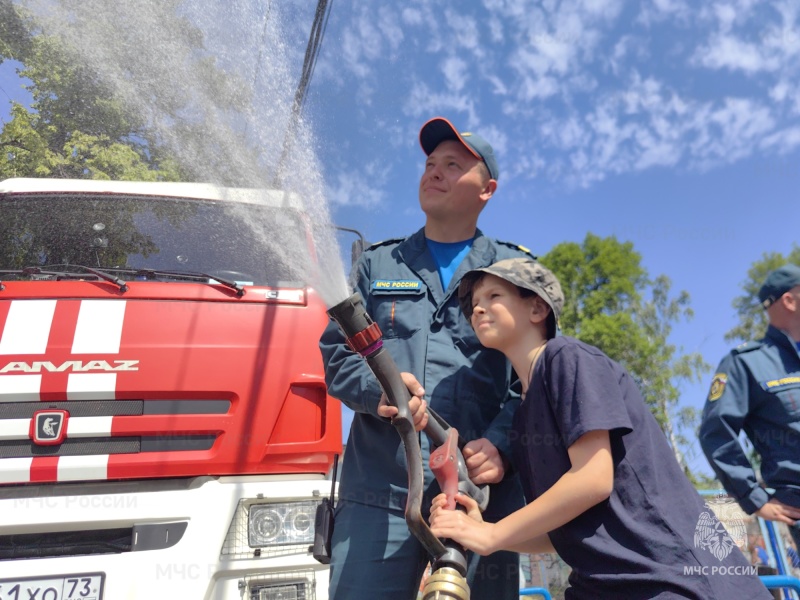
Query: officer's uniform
pixel 374 554
pixel 756 389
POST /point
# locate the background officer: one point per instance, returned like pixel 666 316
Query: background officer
pixel 757 389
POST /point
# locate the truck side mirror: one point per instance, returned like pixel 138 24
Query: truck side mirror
pixel 356 250
pixel 357 247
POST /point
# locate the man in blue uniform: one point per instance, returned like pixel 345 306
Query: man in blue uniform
pixel 757 389
pixel 410 288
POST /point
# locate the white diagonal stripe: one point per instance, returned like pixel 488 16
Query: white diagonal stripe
pixel 77 468
pixel 91 386
pixel 89 427
pixel 15 429
pixel 99 327
pixel 15 470
pixel 27 327
pixel 20 388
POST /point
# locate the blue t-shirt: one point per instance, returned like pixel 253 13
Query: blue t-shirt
pixel 448 255
pixel 653 537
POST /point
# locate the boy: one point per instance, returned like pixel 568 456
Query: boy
pixel 602 485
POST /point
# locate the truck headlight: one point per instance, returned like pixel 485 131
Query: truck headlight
pixel 282 523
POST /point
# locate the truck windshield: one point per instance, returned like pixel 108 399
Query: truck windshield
pixel 253 244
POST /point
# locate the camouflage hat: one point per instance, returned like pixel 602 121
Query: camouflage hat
pixel 524 273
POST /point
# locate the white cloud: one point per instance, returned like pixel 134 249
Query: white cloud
pixel 788 93
pixel 730 52
pixel 455 73
pixel 422 102
pixel 360 188
pixel 411 16
pixel 784 141
pixel 750 41
pixel 496 30
pixel 464 32
pixel 389 27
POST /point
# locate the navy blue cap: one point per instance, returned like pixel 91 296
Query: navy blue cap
pixel 777 283
pixel 439 129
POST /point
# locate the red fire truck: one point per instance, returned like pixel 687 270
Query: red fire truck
pixel 165 429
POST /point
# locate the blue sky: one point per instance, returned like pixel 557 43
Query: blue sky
pixel 669 124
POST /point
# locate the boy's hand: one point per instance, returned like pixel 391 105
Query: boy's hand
pixel 468 529
pixel 416 405
pixel 484 462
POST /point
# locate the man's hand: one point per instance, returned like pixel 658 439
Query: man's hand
pixel 468 529
pixel 484 462
pixel 416 405
pixel 775 510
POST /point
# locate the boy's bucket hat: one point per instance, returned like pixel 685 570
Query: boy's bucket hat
pixel 522 272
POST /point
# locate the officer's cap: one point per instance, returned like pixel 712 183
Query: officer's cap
pixel 780 281
pixel 439 129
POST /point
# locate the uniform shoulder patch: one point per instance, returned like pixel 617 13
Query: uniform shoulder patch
pixel 717 386
pixel 747 347
pixel 385 243
pixel 517 247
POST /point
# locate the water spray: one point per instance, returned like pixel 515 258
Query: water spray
pixel 449 564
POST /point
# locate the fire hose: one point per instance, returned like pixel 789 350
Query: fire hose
pixel 449 563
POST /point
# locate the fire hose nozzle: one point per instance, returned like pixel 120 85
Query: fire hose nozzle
pixel 444 584
pixel 362 334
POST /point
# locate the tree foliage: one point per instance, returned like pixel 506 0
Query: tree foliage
pixel 752 317
pixel 612 303
pixel 74 126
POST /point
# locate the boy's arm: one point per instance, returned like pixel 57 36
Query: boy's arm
pixel 588 482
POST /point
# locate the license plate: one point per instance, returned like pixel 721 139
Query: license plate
pixel 59 587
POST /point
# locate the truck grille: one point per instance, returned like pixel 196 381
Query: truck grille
pixel 108 445
pixel 65 543
pixel 15 441
pixel 138 538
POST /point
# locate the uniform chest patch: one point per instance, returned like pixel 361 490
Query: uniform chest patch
pixel 717 386
pixel 778 384
pixel 397 286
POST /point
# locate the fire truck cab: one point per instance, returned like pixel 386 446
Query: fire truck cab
pixel 165 429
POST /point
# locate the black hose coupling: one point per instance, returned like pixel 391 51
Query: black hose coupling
pixel 363 335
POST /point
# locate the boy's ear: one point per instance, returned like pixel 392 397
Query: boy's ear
pixel 539 310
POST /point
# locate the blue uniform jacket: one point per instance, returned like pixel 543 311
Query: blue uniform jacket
pixel 427 335
pixel 756 389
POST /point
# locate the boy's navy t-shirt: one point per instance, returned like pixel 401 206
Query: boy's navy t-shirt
pixel 654 537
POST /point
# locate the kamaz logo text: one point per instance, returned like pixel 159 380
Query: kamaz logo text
pixel 76 366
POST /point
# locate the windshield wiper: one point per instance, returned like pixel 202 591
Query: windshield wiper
pixel 193 276
pixel 123 286
pixel 59 275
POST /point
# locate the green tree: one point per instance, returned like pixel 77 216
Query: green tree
pixel 76 126
pixel 611 303
pixel 752 317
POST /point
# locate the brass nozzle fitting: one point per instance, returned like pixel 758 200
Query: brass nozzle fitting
pixel 445 583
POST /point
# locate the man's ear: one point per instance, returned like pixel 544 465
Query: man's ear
pixel 488 190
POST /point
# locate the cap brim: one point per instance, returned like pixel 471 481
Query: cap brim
pixel 437 130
